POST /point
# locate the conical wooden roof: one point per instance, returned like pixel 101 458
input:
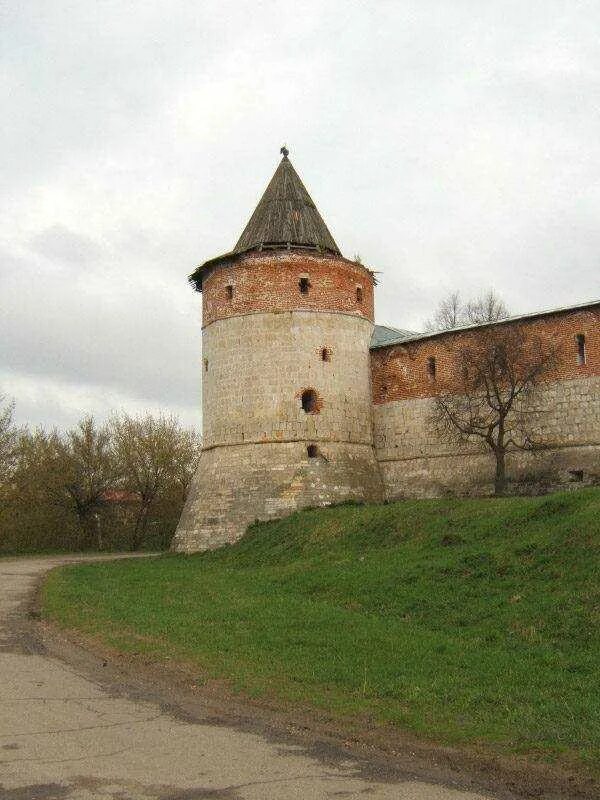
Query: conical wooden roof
pixel 286 216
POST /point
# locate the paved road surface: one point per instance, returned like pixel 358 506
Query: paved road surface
pixel 64 736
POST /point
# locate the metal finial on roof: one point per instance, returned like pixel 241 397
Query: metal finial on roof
pixel 284 151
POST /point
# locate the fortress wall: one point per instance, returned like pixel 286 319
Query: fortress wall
pixel 268 282
pixel 234 486
pixel 415 463
pixel 400 371
pixel 565 416
pixel 256 367
pixel 255 462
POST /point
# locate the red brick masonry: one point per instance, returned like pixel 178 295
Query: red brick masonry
pixel 269 282
pixel 401 371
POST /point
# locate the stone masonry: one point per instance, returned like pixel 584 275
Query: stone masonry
pixel 256 365
pixel 236 485
pixel 304 404
pixel 415 463
pixel 565 414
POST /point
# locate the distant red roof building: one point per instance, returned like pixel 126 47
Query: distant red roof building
pixel 119 496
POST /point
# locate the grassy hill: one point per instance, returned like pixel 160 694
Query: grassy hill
pixel 473 621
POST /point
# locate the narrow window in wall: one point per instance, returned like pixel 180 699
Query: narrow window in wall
pixel 309 401
pixel 304 285
pixel 312 451
pixel 431 368
pixel 581 355
pixel 206 365
pixel 229 291
pixel 359 294
pixel 326 354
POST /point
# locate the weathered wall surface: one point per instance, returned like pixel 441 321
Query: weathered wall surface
pixel 269 282
pixel 401 371
pixel 260 353
pixel 236 485
pixel 565 415
pixel 257 365
pixel 415 463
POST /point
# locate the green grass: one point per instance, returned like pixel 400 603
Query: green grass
pixel 465 621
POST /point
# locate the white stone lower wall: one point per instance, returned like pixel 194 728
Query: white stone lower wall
pixel 255 463
pixel 258 364
pixel 414 462
pixel 237 485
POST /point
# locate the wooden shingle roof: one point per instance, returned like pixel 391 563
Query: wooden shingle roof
pixel 286 216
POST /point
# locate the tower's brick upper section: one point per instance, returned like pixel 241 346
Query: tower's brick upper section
pixel 270 281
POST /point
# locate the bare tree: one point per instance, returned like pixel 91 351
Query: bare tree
pixel 489 307
pixel 496 372
pixel 95 485
pixel 72 471
pixel 89 470
pixel 152 453
pixel 449 314
pixel 190 444
pixel 9 437
pixel 453 313
pixel 40 470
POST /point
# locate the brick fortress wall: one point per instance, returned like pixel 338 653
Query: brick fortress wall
pixel 265 343
pixel 565 414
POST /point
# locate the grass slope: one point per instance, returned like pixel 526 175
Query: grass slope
pixel 467 621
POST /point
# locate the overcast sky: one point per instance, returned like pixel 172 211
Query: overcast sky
pixel 452 144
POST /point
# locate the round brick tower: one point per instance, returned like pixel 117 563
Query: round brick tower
pixel 286 389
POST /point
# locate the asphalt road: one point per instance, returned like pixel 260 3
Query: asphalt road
pixel 65 735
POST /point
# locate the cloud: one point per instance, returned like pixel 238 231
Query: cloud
pixel 65 247
pixel 63 402
pixel 136 333
pixel 453 145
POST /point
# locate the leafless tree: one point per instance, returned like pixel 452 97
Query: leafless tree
pixel 190 444
pixel 40 469
pixel 152 453
pixel 496 371
pixel 489 307
pixel 89 469
pixel 452 312
pixel 72 471
pixel 449 314
pixel 9 436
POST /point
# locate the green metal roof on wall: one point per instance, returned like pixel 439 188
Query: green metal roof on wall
pixel 384 334
pixel 286 216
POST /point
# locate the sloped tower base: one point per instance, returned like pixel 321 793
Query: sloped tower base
pixel 236 485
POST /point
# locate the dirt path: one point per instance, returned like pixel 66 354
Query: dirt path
pixel 86 729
